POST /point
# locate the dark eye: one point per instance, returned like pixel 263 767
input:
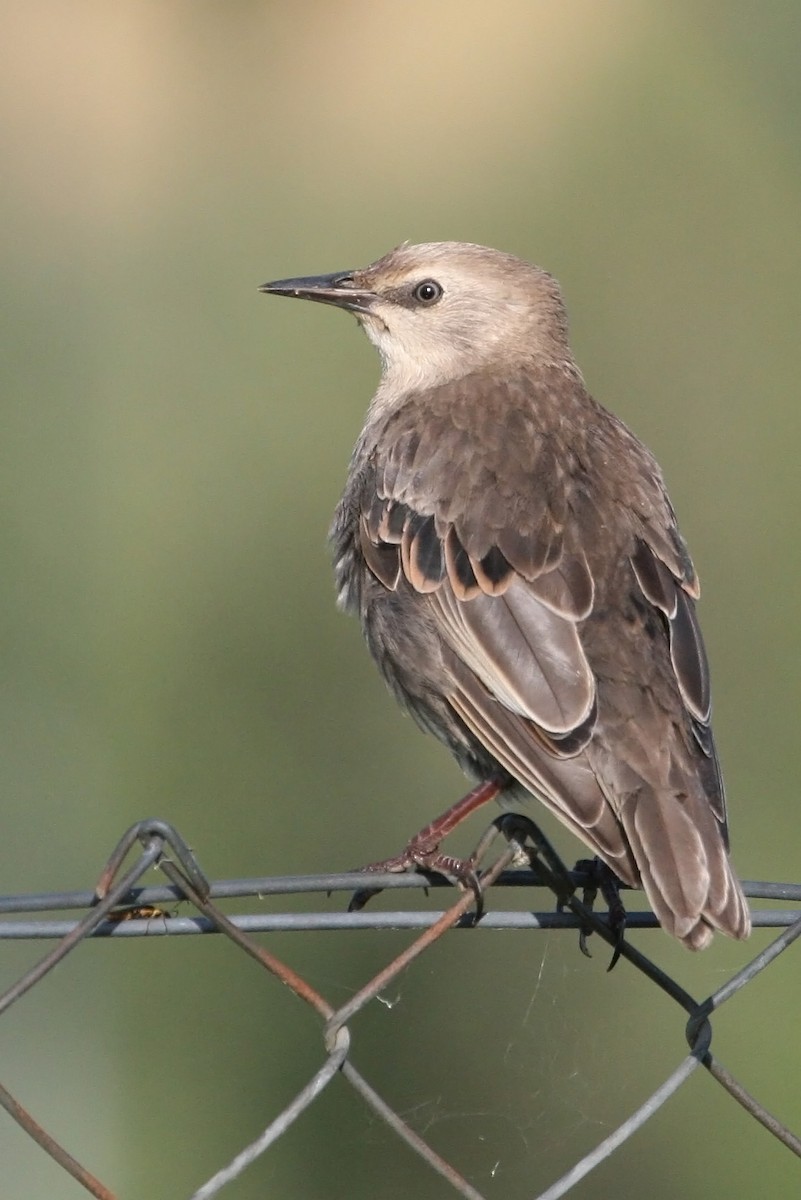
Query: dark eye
pixel 427 292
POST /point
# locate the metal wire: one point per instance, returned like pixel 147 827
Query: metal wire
pixel 118 907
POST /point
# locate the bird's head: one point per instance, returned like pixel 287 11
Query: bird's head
pixel 442 310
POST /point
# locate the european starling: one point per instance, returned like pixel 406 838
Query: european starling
pixel 514 559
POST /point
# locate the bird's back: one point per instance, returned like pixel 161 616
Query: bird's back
pixel 515 561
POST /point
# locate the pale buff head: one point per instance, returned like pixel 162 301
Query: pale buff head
pixel 441 310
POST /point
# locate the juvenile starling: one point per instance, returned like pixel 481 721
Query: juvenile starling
pixel 515 561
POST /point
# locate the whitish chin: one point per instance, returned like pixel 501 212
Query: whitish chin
pixel 374 326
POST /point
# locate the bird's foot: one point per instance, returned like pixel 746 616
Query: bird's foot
pixel 460 870
pixel 422 852
pixel 601 878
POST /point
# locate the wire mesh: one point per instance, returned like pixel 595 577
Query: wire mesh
pixel 119 908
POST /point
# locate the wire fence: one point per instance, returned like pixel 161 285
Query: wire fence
pixel 118 907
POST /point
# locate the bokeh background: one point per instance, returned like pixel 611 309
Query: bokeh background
pixel 172 447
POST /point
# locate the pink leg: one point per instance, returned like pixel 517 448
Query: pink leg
pixel 422 851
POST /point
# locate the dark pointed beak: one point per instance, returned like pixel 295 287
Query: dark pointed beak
pixel 339 289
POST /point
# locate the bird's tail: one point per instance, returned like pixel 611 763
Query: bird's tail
pixel 684 865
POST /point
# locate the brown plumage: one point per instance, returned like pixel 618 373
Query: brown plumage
pixel 521 581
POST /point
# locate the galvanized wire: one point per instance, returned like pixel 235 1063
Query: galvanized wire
pixel 119 907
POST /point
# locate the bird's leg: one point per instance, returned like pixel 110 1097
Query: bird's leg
pixel 589 894
pixel 601 877
pixel 542 858
pixel 422 851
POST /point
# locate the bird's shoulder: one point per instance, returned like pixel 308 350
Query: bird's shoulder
pixel 502 474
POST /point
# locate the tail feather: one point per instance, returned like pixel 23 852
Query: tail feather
pixel 684 867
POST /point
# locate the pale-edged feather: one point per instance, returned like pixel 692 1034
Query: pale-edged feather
pixel 688 655
pixel 524 654
pixel 568 787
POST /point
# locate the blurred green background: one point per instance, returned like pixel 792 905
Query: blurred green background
pixel 173 445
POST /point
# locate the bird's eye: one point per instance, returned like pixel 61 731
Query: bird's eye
pixel 427 292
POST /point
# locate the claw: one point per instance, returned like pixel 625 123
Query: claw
pixel 602 878
pixel 422 852
pixel 461 871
